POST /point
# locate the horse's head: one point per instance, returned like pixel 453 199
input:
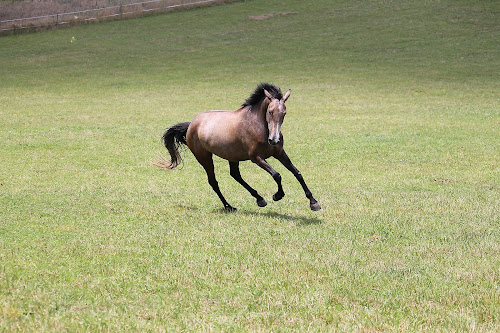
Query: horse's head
pixel 275 114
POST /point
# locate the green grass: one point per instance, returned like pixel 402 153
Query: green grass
pixel 393 121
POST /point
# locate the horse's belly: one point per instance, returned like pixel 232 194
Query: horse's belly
pixel 231 154
pixel 226 146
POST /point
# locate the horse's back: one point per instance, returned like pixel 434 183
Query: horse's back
pixel 217 132
pixel 219 125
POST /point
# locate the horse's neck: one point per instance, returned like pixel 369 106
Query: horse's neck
pixel 253 116
pixel 261 110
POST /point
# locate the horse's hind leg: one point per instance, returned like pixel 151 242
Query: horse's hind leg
pixel 205 159
pixel 235 173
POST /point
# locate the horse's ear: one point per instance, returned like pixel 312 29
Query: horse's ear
pixel 268 94
pixel 287 94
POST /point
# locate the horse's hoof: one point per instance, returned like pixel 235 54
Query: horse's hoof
pixel 262 203
pixel 315 206
pixel 230 209
pixel 278 196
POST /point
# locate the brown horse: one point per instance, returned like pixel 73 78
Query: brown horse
pixel 250 133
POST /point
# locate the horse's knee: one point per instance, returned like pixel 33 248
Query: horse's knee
pixel 277 177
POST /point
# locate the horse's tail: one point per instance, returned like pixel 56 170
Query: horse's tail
pixel 173 138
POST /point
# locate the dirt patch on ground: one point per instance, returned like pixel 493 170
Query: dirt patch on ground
pixel 270 15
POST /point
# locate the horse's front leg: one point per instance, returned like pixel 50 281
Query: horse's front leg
pixel 285 160
pixel 276 176
pixel 235 173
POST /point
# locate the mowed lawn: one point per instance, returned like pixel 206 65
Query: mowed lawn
pixel 393 120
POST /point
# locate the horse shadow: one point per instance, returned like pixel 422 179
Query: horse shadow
pixel 300 221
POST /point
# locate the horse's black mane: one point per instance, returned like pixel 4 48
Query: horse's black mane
pixel 258 95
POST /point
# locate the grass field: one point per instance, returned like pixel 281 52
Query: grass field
pixel 393 121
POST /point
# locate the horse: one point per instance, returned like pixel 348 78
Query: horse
pixel 252 132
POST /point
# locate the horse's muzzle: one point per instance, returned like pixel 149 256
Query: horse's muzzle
pixel 273 142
